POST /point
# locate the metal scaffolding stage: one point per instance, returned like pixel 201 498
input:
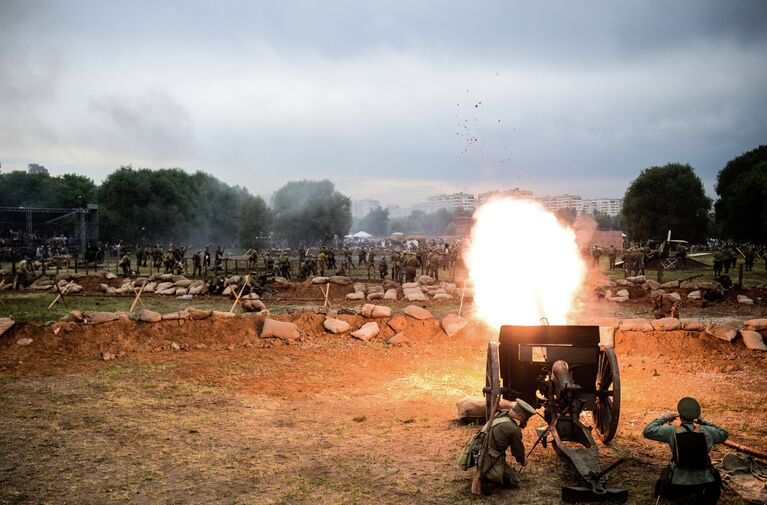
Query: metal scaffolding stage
pixel 31 220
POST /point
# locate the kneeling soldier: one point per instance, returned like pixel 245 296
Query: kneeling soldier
pixel 689 477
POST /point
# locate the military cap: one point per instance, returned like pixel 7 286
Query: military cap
pixel 688 408
pixel 523 408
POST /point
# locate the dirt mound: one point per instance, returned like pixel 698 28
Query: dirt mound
pixel 670 343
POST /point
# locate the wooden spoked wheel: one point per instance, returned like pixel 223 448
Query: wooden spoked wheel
pixel 608 395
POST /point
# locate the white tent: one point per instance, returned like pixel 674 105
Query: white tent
pixel 362 234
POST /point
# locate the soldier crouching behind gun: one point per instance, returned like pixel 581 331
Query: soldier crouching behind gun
pixel 505 432
pixel 689 478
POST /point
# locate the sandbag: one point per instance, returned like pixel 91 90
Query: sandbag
pixel 367 331
pixel 149 316
pixel 416 297
pixel 176 315
pixel 181 291
pixel 197 314
pixel 653 285
pixel 336 325
pixel 744 300
pixel 398 339
pixel 360 287
pixel 391 294
pixel 411 285
pixel 722 332
pixel 674 297
pixel 670 285
pixel 375 288
pixel 183 283
pixel 375 296
pixel 474 408
pixel 426 279
pixel 221 314
pixel 280 329
pixel 666 324
pixel 755 324
pixel 150 287
pixel 607 336
pixel 623 293
pixel 639 279
pixel 694 295
pixel 100 317
pixel 452 324
pixel 442 296
pixel 753 340
pixel 163 286
pixel 6 323
pixel 74 316
pixel 357 295
pixel 252 305
pixel 371 310
pixel 417 312
pixel 687 285
pixel 340 280
pixel 104 287
pixel 692 325
pixel 320 280
pixel 635 325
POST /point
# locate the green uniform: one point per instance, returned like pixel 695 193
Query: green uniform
pixel 659 431
pixel 506 433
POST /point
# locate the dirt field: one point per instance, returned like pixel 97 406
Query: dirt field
pixel 330 420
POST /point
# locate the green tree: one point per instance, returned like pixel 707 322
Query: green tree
pixel 311 212
pixel 255 222
pixel 20 189
pixel 741 211
pixel 670 197
pixel 376 222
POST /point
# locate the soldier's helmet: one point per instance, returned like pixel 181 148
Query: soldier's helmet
pixel 688 408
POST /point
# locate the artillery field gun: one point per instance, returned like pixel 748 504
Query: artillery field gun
pixel 564 370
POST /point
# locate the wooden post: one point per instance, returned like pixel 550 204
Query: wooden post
pixel 60 296
pixel 237 300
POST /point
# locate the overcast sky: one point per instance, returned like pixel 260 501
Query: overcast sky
pixel 394 100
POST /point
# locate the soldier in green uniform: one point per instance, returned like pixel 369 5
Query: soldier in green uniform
pixel 689 477
pixel 322 260
pixel 433 258
pixel 505 433
pixel 383 268
pixel 348 257
pixel 252 255
pixel 301 253
pixel 218 258
pixel 362 256
pixel 157 256
pixel 285 265
pixel 139 256
pixel 268 263
pixel 411 265
pixel 331 258
pixel 395 266
pixel 611 255
pixel 718 262
pixel 197 262
pixel 371 255
pixel 125 265
pixel 750 256
pixel 206 258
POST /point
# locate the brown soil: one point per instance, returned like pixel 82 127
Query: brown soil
pixel 232 418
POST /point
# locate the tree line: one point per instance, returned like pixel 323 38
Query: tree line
pixel 160 206
pixel 671 197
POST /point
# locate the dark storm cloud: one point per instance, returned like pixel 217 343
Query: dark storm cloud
pixel 383 97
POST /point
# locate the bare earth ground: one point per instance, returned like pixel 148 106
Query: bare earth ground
pixel 333 420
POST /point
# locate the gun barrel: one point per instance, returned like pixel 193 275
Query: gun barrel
pixel 562 376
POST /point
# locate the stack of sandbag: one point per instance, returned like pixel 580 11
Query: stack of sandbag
pixel 359 292
pixel 375 292
pixel 252 303
pixel 413 292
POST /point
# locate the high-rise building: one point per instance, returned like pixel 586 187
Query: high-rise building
pixel 361 208
pixel 514 193
pixel 461 201
pixel 34 168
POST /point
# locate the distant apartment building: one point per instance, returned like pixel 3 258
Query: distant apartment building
pixel 361 208
pixel 462 201
pixel 395 211
pixel 34 168
pixel 514 193
pixel 608 206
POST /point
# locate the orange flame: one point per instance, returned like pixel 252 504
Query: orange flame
pixel 524 265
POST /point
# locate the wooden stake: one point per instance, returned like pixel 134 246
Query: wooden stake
pixel 138 297
pixel 325 293
pixel 237 300
pixel 460 306
pixel 60 296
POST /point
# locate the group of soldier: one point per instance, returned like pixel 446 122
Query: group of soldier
pixel 171 260
pixel 726 257
pixel 402 264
